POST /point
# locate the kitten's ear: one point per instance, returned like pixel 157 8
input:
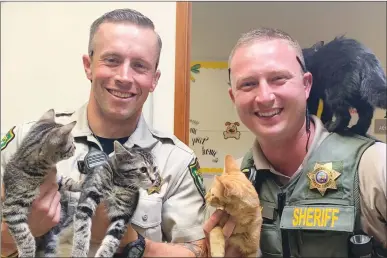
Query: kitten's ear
pixel 49 115
pixel 318 45
pixel 66 129
pixel 119 149
pixel 230 164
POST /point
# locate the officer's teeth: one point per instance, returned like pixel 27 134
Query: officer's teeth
pixel 268 114
pixel 121 94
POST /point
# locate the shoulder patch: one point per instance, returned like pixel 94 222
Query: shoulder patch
pixel 193 168
pixel 8 137
pixel 246 170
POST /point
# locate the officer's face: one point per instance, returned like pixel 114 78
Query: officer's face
pixel 122 69
pixel 268 89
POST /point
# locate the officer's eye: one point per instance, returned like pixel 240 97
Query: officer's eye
pixel 247 84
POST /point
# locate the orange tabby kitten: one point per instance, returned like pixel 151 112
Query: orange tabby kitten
pixel 233 192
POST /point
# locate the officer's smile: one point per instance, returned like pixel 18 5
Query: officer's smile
pixel 121 94
pixel 269 115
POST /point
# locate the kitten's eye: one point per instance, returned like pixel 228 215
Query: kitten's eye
pixel 143 170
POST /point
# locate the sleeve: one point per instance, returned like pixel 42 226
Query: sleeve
pixel 373 194
pixel 184 211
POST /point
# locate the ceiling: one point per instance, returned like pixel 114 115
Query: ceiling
pixel 216 26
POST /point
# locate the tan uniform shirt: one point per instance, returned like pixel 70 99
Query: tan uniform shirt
pixel 372 180
pixel 175 213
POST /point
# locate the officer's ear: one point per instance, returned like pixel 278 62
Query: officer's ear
pixel 87 66
pixel 155 80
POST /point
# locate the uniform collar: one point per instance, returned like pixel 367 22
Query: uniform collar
pixel 142 136
pixel 261 162
pixel 81 129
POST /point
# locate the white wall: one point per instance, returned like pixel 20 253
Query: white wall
pixel 42 45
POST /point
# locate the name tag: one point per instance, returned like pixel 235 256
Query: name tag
pixel 323 217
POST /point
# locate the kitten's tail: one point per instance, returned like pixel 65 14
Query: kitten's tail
pixel 68 184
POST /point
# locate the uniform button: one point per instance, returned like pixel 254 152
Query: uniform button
pixel 145 217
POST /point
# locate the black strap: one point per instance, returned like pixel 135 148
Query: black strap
pixel 281 200
pixel 257 177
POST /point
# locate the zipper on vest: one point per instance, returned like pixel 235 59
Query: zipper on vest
pixel 281 200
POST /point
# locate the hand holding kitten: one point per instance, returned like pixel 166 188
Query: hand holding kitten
pixel 218 215
pixel 45 209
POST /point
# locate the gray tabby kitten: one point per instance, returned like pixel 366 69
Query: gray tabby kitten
pixel 117 183
pixel 42 148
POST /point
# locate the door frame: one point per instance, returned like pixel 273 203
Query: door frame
pixel 182 70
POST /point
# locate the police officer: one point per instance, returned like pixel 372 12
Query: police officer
pixel 122 65
pixel 323 194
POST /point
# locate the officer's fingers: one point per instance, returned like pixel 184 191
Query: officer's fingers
pixel 213 220
pixel 229 227
pixel 49 182
pixel 52 212
pixel 43 203
pixel 47 188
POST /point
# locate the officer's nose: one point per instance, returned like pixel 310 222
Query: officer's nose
pixel 265 95
pixel 124 74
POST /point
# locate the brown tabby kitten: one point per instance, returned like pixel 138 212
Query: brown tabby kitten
pixel 233 192
pixel 116 183
pixel 41 149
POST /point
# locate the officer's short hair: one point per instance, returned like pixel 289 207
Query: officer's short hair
pixel 265 33
pixel 123 16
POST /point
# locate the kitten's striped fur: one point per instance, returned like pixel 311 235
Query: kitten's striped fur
pixel 41 149
pixel 117 185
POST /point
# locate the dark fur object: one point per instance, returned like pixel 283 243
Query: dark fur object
pixel 346 75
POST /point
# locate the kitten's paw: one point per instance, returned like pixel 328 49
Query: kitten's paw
pixel 104 254
pixel 29 255
pixel 217 253
pixel 79 253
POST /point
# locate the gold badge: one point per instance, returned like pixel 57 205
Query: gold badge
pixel 323 177
pixel 155 189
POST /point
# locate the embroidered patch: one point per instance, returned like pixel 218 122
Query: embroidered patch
pixel 7 138
pixel 318 217
pixel 197 176
pixel 246 170
pixel 323 177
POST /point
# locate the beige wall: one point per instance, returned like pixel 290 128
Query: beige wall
pixel 41 58
pixel 216 28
